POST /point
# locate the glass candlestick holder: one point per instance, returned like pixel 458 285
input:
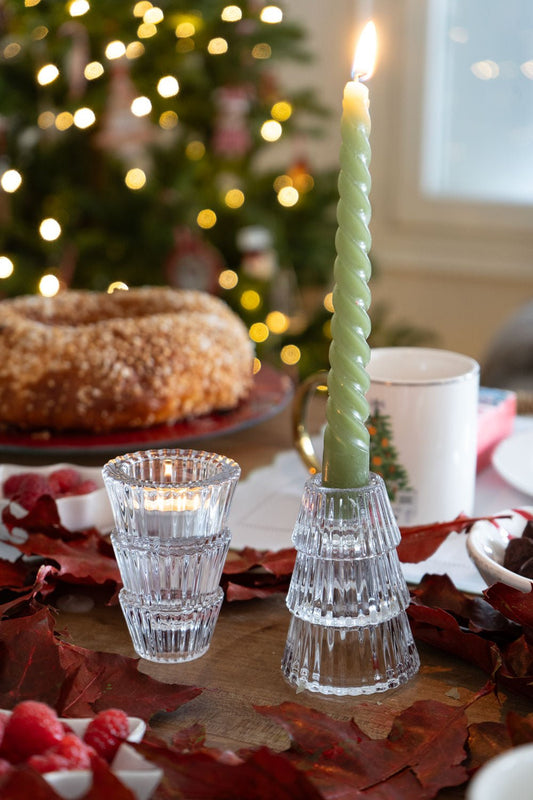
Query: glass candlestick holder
pixel 349 633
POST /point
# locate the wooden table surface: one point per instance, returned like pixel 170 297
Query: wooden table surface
pixel 242 667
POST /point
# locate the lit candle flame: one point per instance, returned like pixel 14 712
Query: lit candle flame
pixel 364 60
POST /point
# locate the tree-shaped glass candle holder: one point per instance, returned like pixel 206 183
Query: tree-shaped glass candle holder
pixel 349 633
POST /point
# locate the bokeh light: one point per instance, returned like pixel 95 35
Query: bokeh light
pixel 50 229
pixel 47 74
pixel 281 111
pixel 217 46
pixel 168 86
pixel 84 118
pixel 195 150
pixel 64 121
pixel 206 218
pixel 93 70
pixel 277 321
pixel 115 49
pixel 271 14
pixel 234 198
pixel 290 354
pixel 153 15
pixel 231 14
pixel 259 332
pixel 271 130
pixel 49 285
pixel 78 8
pixel 6 267
pixel 11 180
pixel 168 120
pixel 288 196
pixel 250 300
pixel 262 50
pixel 141 106
pixel 135 178
pixel 117 286
pixel 228 279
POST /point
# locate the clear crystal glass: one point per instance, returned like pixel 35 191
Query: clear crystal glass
pixel 171 493
pixel 349 632
pixel 345 523
pixel 347 592
pixel 352 660
pixel 167 570
pixel 171 540
pixel 171 632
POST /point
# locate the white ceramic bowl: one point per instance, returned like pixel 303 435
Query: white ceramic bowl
pixel 77 511
pixel 486 545
pixel 506 775
pixel 133 770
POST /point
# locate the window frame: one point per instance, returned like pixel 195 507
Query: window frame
pixel 412 229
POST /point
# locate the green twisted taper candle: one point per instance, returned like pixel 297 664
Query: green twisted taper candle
pixel 346 438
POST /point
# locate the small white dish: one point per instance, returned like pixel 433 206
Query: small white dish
pixel 513 461
pixel 486 544
pixel 506 775
pixel 76 512
pixel 135 772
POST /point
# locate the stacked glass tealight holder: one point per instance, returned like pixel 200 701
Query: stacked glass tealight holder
pixel 349 633
pixel 171 538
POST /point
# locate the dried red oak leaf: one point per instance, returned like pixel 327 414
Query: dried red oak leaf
pixel 475 613
pixel 43 517
pixel 423 752
pixel 250 573
pixel 85 559
pixel 206 774
pixel 513 604
pixel 419 542
pixel 440 628
pixel 13 575
pixel 237 591
pixel 95 681
pixel 279 563
pixel 29 660
pixel 486 740
pixel 75 681
pixel 516 672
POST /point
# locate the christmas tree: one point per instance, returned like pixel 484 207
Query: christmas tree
pixel 131 139
pixel 383 454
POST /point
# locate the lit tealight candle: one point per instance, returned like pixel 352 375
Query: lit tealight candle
pixel 346 439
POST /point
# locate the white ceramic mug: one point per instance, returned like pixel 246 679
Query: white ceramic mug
pixel 423 425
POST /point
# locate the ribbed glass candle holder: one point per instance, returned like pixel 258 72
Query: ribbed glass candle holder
pixel 168 570
pixel 171 632
pixel 171 493
pixel 349 632
pixel 171 540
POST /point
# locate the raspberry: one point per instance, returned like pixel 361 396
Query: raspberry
pixel 107 731
pixel 12 484
pixel 3 722
pixel 69 753
pixel 32 728
pixel 63 481
pixel 85 487
pixel 48 762
pixel 30 488
pixel 5 766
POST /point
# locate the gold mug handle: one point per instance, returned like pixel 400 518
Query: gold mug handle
pixel 315 383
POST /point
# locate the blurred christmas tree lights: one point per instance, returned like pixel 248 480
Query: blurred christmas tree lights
pixel 130 145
